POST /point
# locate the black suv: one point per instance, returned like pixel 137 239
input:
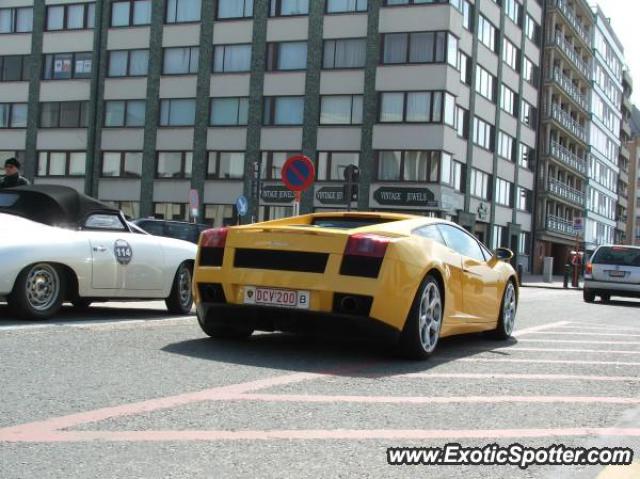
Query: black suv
pixel 172 229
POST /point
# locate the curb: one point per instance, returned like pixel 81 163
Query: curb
pixel 560 288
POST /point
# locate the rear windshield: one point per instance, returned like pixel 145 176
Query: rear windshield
pixel 343 222
pixel 617 255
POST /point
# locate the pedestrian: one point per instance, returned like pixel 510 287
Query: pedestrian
pixel 12 176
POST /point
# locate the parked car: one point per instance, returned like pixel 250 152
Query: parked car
pixel 410 278
pixel 59 245
pixel 613 270
pixel 172 229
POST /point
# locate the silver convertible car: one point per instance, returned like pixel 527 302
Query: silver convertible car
pixel 58 245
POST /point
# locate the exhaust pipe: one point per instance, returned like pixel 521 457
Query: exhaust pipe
pixel 349 304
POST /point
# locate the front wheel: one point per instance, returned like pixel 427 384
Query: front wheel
pixel 38 292
pixel 508 308
pixel 421 331
pixel 180 299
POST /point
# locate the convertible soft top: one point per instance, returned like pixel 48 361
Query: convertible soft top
pixel 52 205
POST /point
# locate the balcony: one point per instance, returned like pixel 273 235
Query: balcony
pixel 571 17
pixel 569 88
pixel 624 152
pixel 565 192
pixel 626 128
pixel 567 157
pixel 564 118
pixel 560 225
pixel 556 39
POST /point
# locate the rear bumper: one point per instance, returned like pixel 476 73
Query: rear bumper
pixel 267 318
pixel 613 288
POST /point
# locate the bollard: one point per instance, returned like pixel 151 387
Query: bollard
pixel 567 271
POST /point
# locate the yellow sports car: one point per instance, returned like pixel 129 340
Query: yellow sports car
pixel 410 278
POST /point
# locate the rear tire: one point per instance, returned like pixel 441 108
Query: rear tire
pixel 421 330
pixel 508 310
pixel 180 299
pixel 588 296
pixel 38 291
pixel 224 331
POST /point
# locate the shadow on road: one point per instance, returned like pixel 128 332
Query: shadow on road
pixel 299 353
pixel 622 303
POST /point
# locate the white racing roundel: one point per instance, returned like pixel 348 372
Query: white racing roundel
pixel 123 252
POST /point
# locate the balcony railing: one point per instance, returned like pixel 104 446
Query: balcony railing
pixel 571 17
pixel 564 118
pixel 567 157
pixel 558 39
pixel 565 191
pixel 569 88
pixel 560 225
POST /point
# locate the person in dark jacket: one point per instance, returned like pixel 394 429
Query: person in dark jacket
pixel 12 176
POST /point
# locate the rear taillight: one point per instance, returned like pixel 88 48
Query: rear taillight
pixel 214 238
pixel 588 268
pixel 370 245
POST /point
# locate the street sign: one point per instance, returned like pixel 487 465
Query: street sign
pixel 242 205
pixel 298 173
pixel 578 223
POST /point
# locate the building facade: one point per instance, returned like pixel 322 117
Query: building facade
pixel 626 205
pixel 139 102
pixel 563 168
pixel 633 223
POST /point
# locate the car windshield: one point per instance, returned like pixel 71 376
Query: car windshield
pixel 348 223
pixel 617 255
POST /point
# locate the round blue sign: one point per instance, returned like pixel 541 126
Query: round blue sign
pixel 242 205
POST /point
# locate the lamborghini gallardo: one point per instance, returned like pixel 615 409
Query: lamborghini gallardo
pixel 409 279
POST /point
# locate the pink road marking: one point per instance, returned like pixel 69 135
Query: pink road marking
pixel 545 377
pixel 335 434
pixel 624 335
pixel 577 341
pixel 544 361
pixel 598 328
pixel 543 327
pixel 562 350
pixel 320 398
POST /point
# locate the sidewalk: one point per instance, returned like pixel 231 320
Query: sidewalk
pixel 535 281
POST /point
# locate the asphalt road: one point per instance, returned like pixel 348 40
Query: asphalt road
pixel 126 391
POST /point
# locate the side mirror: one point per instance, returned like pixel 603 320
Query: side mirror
pixel 503 254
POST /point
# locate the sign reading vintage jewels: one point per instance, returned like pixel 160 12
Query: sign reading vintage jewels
pixel 122 252
pixel 330 195
pixel 276 194
pixel 398 196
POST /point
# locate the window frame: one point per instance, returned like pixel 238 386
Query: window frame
pixel 86 21
pixel 83 111
pixel 128 69
pixel 126 109
pixel 67 163
pixel 335 40
pixel 275 10
pixel 166 14
pixel 238 110
pixel 14 20
pixel 407 60
pixel 183 161
pixel 224 46
pixel 432 108
pixel 190 65
pixel 273 54
pixel 244 10
pixel 10 116
pixel 351 116
pixel 73 76
pixel 25 67
pixel 329 166
pixel 216 176
pixel 170 101
pixel 401 171
pixel 121 168
pixel 272 100
pixel 342 12
pixel 130 24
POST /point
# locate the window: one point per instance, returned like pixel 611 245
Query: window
pixel 524 199
pixel 78 16
pixel 431 232
pixel 180 61
pixel 485 84
pixel 461 242
pixel 16 20
pixel 525 156
pixel 411 165
pixel 419 47
pixel 128 63
pixel 171 211
pixel 220 215
pixel 351 53
pixel 451 172
pixel 464 65
pixel 480 184
pixel 341 6
pixel 286 56
pixel 63 66
pixel 283 110
pixel 14 68
pixel 61 163
pixel 64 114
pixel 524 243
pixel 513 9
pixel 331 165
pixel 13 115
pixel 229 111
pixel 498 236
pixel 508 100
pixel 235 9
pixel 506 146
pixel 122 164
pixel 530 72
pixel 529 114
pixel 462 122
pixel 341 110
pixel 182 11
pixel 177 112
pixel 467 15
pixel 131 13
pixel 288 7
pixel 226 165
pixel 272 162
pixel 483 134
pixel 119 113
pixel 510 55
pixel 174 164
pixel 487 34
pixel 232 58
pixel 503 194
pixel 417 107
pixel 532 30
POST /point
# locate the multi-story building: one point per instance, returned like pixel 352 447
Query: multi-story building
pixel 606 104
pixel 633 223
pixel 563 168
pixel 139 102
pixel 625 206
